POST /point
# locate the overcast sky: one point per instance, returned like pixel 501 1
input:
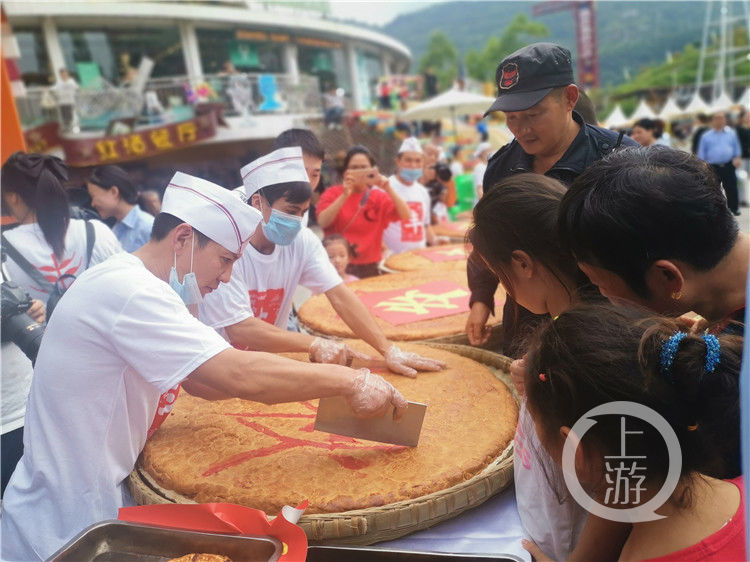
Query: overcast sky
pixel 376 12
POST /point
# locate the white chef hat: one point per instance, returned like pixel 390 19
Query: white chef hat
pixel 411 144
pixel 280 166
pixel 210 209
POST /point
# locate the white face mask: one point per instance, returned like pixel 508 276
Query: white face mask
pixel 188 290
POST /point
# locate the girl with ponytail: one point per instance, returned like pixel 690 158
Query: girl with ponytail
pixel 592 355
pixel 46 241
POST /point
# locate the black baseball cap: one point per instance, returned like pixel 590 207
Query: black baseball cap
pixel 529 74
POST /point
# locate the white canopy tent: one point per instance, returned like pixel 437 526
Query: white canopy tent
pixel 616 119
pixel 721 103
pixel 745 99
pixel 697 105
pixel 670 110
pixel 449 104
pixel 643 111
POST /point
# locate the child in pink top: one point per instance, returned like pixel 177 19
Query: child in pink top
pixel 592 355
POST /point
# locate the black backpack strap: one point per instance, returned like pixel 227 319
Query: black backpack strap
pixel 90 239
pixel 24 264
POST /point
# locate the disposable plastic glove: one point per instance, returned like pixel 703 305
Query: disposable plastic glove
pixel 372 395
pixel 332 351
pixel 408 363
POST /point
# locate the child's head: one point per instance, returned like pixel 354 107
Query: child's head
pixel 515 234
pixel 596 354
pixel 339 252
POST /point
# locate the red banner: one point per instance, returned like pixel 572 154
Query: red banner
pixel 43 137
pixel 423 302
pixel 140 143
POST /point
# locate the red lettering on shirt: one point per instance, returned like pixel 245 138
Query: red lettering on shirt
pixel 266 304
pixel 166 402
pixel 412 230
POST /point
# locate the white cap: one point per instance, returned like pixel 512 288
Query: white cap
pixel 211 210
pixel 410 144
pixel 280 166
pixel 481 147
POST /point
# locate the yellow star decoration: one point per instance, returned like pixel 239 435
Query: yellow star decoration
pixel 416 302
pixel 453 252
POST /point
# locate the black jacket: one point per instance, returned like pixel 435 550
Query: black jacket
pixel 590 145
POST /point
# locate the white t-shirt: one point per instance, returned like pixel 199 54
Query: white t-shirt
pixel 456 168
pixel 119 338
pixel 405 235
pixel 29 240
pixel 479 171
pixel 15 373
pixel 552 519
pixel 66 91
pixel 263 285
pixel 440 211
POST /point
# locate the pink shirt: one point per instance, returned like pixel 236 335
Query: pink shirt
pixel 725 545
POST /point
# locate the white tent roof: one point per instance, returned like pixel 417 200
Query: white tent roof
pixel 722 103
pixel 643 111
pixel 448 104
pixel 670 110
pixel 616 118
pixel 697 105
pixel 745 98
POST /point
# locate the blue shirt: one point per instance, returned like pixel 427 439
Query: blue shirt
pixel 134 230
pixel 719 147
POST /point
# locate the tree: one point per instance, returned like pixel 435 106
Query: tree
pixel 442 58
pixel 520 32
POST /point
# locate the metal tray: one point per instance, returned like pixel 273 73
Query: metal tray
pixel 120 541
pixel 370 554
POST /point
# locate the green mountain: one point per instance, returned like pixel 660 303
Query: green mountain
pixel 631 35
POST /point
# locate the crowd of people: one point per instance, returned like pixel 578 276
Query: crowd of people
pixel 624 268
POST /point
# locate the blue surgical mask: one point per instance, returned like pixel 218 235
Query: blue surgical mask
pixel 188 290
pixel 282 228
pixel 411 174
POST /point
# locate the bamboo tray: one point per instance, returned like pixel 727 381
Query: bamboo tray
pixel 415 260
pixel 368 526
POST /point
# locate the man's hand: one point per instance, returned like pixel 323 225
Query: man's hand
pixel 737 162
pixel 37 311
pixel 332 351
pixel 476 325
pixel 407 363
pixel 518 375
pixel 372 395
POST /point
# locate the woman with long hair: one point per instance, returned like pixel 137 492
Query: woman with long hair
pixel 47 248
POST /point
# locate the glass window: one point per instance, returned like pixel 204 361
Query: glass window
pixel 34 63
pixel 117 52
pixel 369 71
pixel 329 65
pixel 248 51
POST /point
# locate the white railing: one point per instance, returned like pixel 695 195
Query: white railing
pixel 173 99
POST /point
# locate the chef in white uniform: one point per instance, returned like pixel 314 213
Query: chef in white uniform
pixel 122 339
pixel 281 255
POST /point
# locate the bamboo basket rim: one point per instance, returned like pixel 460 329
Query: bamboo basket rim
pixel 386 522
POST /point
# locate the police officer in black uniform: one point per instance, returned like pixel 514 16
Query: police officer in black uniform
pixel 537 93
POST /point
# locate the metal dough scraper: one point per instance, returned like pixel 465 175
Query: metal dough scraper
pixel 335 416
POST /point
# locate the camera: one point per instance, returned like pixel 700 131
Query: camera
pixel 443 171
pixel 17 326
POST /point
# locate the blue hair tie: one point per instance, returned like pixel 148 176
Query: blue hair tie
pixel 713 352
pixel 668 351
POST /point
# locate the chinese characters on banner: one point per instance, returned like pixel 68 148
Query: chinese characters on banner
pixel 448 253
pixel 413 304
pixel 140 143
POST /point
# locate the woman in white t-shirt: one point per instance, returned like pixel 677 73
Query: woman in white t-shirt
pixel 46 237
